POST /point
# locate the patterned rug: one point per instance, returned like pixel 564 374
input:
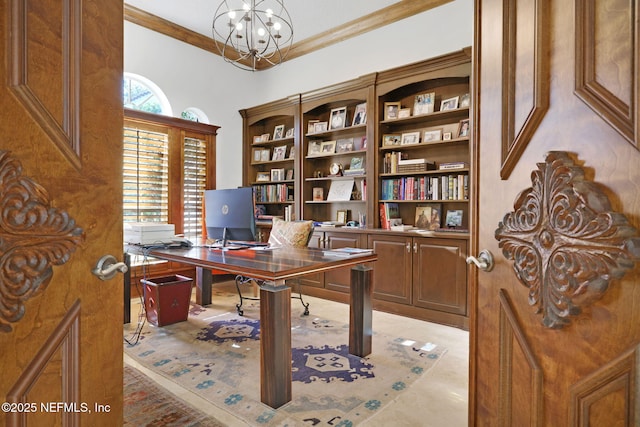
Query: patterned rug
pixel 146 404
pixel 216 355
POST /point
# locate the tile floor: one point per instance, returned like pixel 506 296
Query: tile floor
pixel 439 398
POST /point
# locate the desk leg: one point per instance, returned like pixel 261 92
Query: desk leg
pixel 275 345
pixel 203 286
pixel 360 329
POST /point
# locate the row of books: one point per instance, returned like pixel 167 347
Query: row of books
pixel 445 187
pixel 273 193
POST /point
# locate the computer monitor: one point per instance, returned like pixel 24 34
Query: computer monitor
pixel 229 214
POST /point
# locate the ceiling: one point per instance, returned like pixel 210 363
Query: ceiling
pixel 316 24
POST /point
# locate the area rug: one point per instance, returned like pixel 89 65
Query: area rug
pixel 216 355
pixel 147 404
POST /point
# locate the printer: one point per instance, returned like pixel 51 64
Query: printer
pixel 146 233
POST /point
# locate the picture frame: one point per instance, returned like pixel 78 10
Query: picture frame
pixel 391 139
pixel 433 135
pixel 265 137
pixel 341 216
pixel 292 153
pixel 320 127
pixel 424 103
pixel 449 103
pixel 318 194
pixel 314 149
pixel 279 153
pixel 256 154
pixel 277 175
pixel 338 118
pixel 344 145
pixel 403 113
pixel 446 136
pixel 263 177
pixel 409 138
pixel 454 218
pixel 327 147
pixel 356 162
pixel 289 133
pixel 278 132
pixel 428 216
pixel 463 128
pixel 311 125
pixel 391 110
pixel 257 139
pixel 265 155
pixel 289 174
pixel 465 101
pixel 360 115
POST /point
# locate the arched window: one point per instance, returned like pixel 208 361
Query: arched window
pixel 140 93
pixel 195 115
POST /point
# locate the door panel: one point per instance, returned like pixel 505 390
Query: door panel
pixel 525 371
pixel 61 197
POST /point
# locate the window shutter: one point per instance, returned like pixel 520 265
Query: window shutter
pixel 194 184
pixel 145 176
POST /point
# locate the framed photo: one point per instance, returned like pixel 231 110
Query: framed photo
pixel 289 174
pixel 424 103
pixel 257 154
pixel 356 163
pixel 463 128
pixel 410 138
pixel 279 153
pixel 344 145
pixel 263 176
pixel 289 133
pixel 311 126
pixel 320 127
pixel 314 148
pixel 403 113
pixel 428 216
pixel 338 118
pixel 446 136
pixel 391 139
pixel 265 137
pixel 449 104
pixel 454 218
pixel 465 100
pixel 278 132
pixel 318 194
pixel 264 155
pixel 360 114
pixel 292 153
pixel 341 216
pixel 277 174
pixel 391 110
pixel 257 139
pixel 328 147
pixel 432 135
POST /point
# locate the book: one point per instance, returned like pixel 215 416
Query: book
pixel 348 251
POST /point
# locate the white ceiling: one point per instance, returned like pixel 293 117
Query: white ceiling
pixel 309 17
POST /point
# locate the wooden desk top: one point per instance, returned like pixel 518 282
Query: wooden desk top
pixel 272 264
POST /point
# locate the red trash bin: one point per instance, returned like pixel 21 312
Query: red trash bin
pixel 166 299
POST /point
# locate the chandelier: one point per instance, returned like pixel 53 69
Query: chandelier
pixel 252 34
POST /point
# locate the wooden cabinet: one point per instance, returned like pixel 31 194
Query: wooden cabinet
pixel 421 273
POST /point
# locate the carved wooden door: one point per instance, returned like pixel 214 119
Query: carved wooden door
pixel 60 212
pixel 556 324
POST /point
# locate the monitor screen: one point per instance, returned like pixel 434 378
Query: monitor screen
pixel 229 214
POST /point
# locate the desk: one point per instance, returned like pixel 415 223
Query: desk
pixel 276 266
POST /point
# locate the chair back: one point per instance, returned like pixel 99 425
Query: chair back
pixel 290 233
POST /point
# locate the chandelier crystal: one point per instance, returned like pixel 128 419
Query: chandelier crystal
pixel 252 34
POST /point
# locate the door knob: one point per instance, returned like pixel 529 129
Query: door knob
pixel 107 267
pixel 484 261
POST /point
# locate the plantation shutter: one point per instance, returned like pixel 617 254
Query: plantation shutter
pixel 194 184
pixel 145 176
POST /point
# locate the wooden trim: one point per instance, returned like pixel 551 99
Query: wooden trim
pixel 142 116
pixel 372 21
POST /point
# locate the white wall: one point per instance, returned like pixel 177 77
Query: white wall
pixel 191 77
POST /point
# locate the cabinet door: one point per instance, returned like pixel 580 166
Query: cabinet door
pixel 392 271
pixel 440 274
pixel 340 279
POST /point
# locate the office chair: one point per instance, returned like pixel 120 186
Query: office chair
pixel 296 234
